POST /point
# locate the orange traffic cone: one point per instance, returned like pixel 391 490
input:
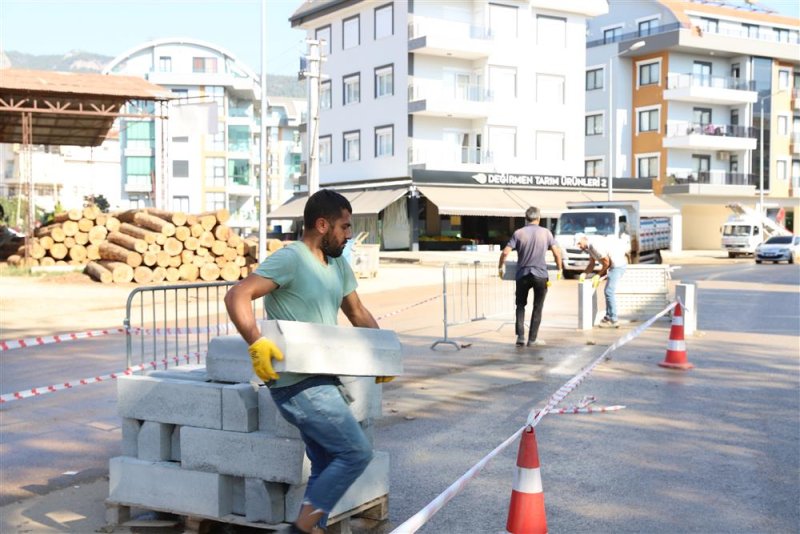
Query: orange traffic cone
pixel 676 346
pixel 526 512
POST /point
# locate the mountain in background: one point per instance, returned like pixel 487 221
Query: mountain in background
pixel 79 61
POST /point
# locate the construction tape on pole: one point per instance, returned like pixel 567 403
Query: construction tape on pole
pixel 416 521
pixel 36 392
pixel 420 303
pixel 12 344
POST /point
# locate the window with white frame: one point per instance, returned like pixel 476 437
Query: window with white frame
pixel 648 120
pixel 351 89
pixel 351 32
pixel 783 79
pixel 216 142
pixel 709 25
pixel 215 172
pixel 593 167
pixel 783 125
pixel 594 79
pixel 549 89
pixel 551 31
pixel 594 124
pixel 324 34
pixel 204 64
pixel 781 169
pixel 215 201
pixel 351 145
pixel 646 27
pixel 384 81
pixel 781 35
pixel 165 64
pixel 647 166
pixel 612 35
pixel 384 141
pixel 752 30
pixel 325 95
pixel 649 73
pixel 503 82
pixel 550 146
pixel 502 21
pixel 503 143
pixel 384 21
pixel 325 150
pixel 180 203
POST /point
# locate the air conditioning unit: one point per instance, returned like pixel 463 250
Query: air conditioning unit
pixel 723 156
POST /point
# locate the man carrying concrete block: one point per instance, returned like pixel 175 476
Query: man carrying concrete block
pixel 309 281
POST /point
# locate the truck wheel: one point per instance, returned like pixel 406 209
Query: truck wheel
pixel 569 275
pixel 731 254
pixel 657 260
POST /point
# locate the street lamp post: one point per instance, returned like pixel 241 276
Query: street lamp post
pixel 635 46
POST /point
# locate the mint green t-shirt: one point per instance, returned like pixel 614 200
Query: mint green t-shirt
pixel 308 291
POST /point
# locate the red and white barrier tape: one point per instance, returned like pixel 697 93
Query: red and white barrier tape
pixel 416 521
pixel 35 392
pixel 11 344
pixel 420 303
pixel 219 329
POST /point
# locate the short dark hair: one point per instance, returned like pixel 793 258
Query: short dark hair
pixel 532 213
pixel 327 204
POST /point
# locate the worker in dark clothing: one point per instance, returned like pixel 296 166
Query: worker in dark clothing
pixel 531 243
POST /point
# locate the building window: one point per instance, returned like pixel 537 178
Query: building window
pixel 204 64
pixel 551 31
pixel 701 166
pixel 594 124
pixel 384 81
pixel 164 64
pixel 140 134
pixel 709 25
pixel 612 35
pixel 648 120
pixel 239 138
pixel 325 95
pixel 781 168
pixel 734 117
pixel 384 21
pixel 752 30
pixel 180 168
pixel 215 201
pixel 646 166
pixel 502 21
pixel 215 172
pixel 783 79
pixel 351 32
pixel 180 203
pixel 503 82
pixel 351 89
pixel 216 142
pixel 325 150
pixel 593 167
pixel 384 141
pixel 550 146
pixel 549 89
pixel 781 35
pixel 351 145
pixel 646 27
pixel 182 95
pixel 701 74
pixel 649 73
pixel 701 116
pixel 783 125
pixel 324 34
pixel 181 139
pixel 138 170
pixel 502 143
pixel 594 79
pixel 239 171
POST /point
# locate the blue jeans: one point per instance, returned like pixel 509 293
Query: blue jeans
pixel 335 443
pixel 614 274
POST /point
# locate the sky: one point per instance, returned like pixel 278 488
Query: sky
pixel 112 27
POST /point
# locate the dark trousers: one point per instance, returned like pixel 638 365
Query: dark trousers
pixel 524 285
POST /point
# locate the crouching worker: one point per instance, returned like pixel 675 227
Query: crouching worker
pixel 309 281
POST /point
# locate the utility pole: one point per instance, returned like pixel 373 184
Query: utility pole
pixel 263 195
pixel 311 72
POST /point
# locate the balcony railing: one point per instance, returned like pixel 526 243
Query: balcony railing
pixel 761 33
pixel 714 178
pixel 460 31
pixel 638 35
pixel 679 81
pixel 449 155
pixel 467 93
pixel 678 129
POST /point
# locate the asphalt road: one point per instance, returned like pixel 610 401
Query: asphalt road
pixel 714 449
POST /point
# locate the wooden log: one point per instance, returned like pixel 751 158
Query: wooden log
pixel 70 228
pixel 251 247
pixel 47 261
pixel 191 243
pixel 61 263
pixel 35 250
pixel 14 259
pixel 219 260
pixel 182 233
pixel 70 215
pixel 78 253
pixel 173 274
pixel 142 275
pixel 99 272
pixel 92 252
pixel 101 219
pixel 221 215
pixel 234 240
pixel 97 235
pixel 69 241
pixel 222 232
pixel 230 272
pixel 175 261
pixel 240 250
pixel 178 218
pixel 202 251
pixel 218 248
pixel 197 230
pixel 151 222
pixel 199 261
pixel 191 220
pixel 274 244
pixel 127 241
pixel 229 254
pixel 206 239
pixel 53 231
pixel 149 258
pixel 161 239
pixel 46 242
pixel 59 251
pixel 155 249
pixel 113 224
pixel 186 256
pixel 110 251
pixel 241 261
pixel 245 272
pixel 208 222
pixel 121 273
pixel 81 238
pixel 84 224
pixel 127 215
pixel 91 212
pixel 139 233
pixel 163 259
pixel 189 272
pixel 159 274
pixel 172 246
pixel 209 272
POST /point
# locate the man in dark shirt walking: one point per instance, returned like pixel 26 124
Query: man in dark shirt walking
pixel 531 243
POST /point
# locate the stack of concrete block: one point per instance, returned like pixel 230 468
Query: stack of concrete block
pixel 208 442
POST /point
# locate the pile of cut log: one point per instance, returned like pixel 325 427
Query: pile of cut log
pixel 143 245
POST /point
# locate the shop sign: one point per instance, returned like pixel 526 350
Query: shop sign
pixel 538 180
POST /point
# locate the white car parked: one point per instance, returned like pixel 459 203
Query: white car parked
pixel 779 248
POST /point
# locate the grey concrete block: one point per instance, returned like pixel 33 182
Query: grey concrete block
pixel 369 430
pixel 228 360
pixel 240 408
pixel 167 400
pixel 270 419
pixel 130 436
pixel 175 444
pixel 251 454
pixel 166 485
pixel 293 500
pixel 264 500
pixel 367 396
pixel 237 496
pixel 196 372
pixel 334 350
pixel 155 441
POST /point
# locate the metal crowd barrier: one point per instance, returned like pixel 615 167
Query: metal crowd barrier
pixel 172 321
pixel 473 292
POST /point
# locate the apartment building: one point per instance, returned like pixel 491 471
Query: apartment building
pixel 692 86
pixel 451 118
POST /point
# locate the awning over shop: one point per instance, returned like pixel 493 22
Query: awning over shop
pixel 552 203
pixel 649 204
pixel 473 201
pixel 373 202
pixel 293 209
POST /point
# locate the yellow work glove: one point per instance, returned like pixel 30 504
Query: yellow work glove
pixel 559 276
pixel 595 281
pixel 383 379
pixel 582 278
pixel 500 271
pixel 261 353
